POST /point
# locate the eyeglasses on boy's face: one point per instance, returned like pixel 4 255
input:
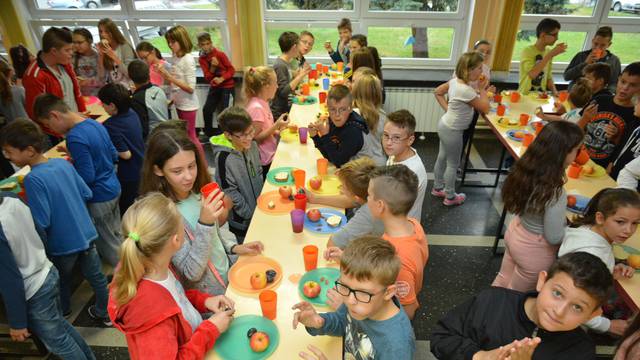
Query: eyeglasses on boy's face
pixel 245 135
pixel 339 111
pixel 394 139
pixel 360 295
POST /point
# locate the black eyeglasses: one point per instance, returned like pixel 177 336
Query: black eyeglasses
pixel 361 296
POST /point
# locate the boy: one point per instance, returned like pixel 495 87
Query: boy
pixel 397 138
pixel 93 157
pixel 305 45
pixel 287 79
pixel 125 131
pixel 598 53
pixel 599 75
pixel 609 123
pixel 57 198
pixel 218 72
pixel 579 97
pixel 29 284
pixel 373 324
pixel 342 138
pixel 544 324
pixel 536 59
pixel 344 32
pixel 52 73
pixel 239 171
pixel 148 101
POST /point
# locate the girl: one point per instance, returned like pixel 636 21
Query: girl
pixel 463 99
pixel 86 64
pixel 174 166
pixel 534 192
pixel 20 58
pixel 115 52
pixel 482 47
pixel 367 101
pixel 144 280
pixel 367 57
pixel 629 347
pixel 260 87
pixel 612 217
pixel 152 56
pixel 11 96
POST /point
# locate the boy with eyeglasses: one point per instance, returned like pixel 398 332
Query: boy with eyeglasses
pixel 371 320
pixel 536 59
pixel 239 172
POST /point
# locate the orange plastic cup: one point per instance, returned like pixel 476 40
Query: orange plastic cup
pixel 563 95
pixel 598 53
pixel 524 119
pixel 298 178
pixel 538 126
pixel 323 166
pixel 574 171
pixel 319 68
pixel 582 157
pixel 497 98
pixel 305 89
pixel 310 255
pixel 340 66
pixel 527 139
pixel 325 69
pixel 269 304
pixel 515 96
pixel 501 109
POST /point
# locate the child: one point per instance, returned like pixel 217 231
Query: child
pixel 579 97
pixel 629 174
pixel 536 59
pixel 260 85
pixel 305 45
pixel 288 80
pixel 21 58
pixel 534 192
pixel 463 99
pixel 153 58
pixel 370 320
pixel 86 63
pixel 125 131
pixel 11 95
pixel 145 280
pixel 599 76
pixel 57 198
pixel 397 138
pixel 239 172
pixel 342 46
pixel 174 166
pixel 505 324
pixel 148 100
pixel 629 347
pixel 93 157
pixel 218 72
pixel 367 99
pixel 115 52
pixel 598 53
pixel 342 138
pixel 611 218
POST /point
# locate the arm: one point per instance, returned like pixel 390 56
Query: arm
pixel 440 93
pixel 283 79
pixel 192 258
pixel 302 72
pixel 599 323
pixel 351 141
pixel 360 224
pixel 555 220
pixel 335 56
pixel 454 335
pixel 574 71
pixel 334 323
pixel 629 175
pixel 258 116
pixel 38 204
pixel 82 161
pixel 204 66
pixel 481 102
pixel 12 286
pixel 339 201
pixel 117 138
pixel 229 70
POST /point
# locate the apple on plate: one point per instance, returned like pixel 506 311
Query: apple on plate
pixel 315 182
pixel 311 289
pixel 285 191
pixel 258 280
pixel 293 128
pixel 314 215
pixel 258 340
pixel 634 261
pixel 587 169
pixel 571 201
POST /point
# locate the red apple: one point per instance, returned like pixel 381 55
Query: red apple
pixel 311 289
pixel 315 182
pixel 258 280
pixel 285 192
pixel 259 341
pixel 571 201
pixel 314 215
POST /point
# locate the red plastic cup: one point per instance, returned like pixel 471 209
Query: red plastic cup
pixel 563 95
pixel 300 201
pixel 501 109
pixel 323 166
pixel 269 304
pixel 299 177
pixel 322 95
pixel 310 255
pixel 313 74
pixel 538 126
pixel 524 119
pixel 305 89
pixel 574 171
pixel 515 96
pixel 208 189
pixel 497 98
pixel 527 139
pixel 297 220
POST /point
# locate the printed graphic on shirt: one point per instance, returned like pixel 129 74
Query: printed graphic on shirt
pixel 599 146
pixel 536 84
pixel 357 345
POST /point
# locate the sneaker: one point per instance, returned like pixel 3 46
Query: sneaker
pixel 438 192
pixel 92 313
pixel 458 199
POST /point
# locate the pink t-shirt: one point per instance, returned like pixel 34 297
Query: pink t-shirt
pixel 154 75
pixel 260 112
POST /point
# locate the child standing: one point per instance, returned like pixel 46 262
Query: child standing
pixel 86 64
pixel 288 79
pixel 370 320
pixel 367 100
pixel 145 280
pixel 125 131
pixel 463 99
pixel 57 198
pixel 342 46
pixel 534 192
pixel 12 98
pixel 153 57
pixel 148 100
pixel 115 52
pixel 218 72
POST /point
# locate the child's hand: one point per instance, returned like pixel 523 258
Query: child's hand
pixel 590 112
pixel 282 122
pixel 311 197
pixel 317 354
pixel 623 271
pixel 222 319
pixel 334 300
pixel 500 353
pixel 523 349
pixel 214 61
pixel 211 207
pixel 328 47
pixel 333 253
pixel 306 316
pixel 218 80
pixel 219 303
pixel 321 126
pixel 249 248
pixel 19 334
pixel 618 327
pixel 610 131
pixel 162 70
pixel 313 130
pixel 558 49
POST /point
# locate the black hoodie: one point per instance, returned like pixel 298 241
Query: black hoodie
pixel 343 143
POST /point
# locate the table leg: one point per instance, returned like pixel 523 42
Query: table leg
pixel 499 234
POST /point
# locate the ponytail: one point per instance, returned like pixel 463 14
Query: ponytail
pixel 255 78
pixel 607 202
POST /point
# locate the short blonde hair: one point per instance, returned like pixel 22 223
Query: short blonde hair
pixel 180 35
pixel 255 78
pixel 467 62
pixel 371 258
pixel 355 175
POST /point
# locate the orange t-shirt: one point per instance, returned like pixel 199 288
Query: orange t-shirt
pixel 413 252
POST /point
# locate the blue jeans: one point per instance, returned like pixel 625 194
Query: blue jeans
pixel 106 218
pixel 91 270
pixel 48 324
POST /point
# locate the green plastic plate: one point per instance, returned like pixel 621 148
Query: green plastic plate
pixel 234 343
pixel 330 274
pixel 271 176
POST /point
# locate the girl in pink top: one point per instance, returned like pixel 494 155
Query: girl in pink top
pixel 260 86
pixel 152 56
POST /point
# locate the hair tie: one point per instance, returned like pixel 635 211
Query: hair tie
pixel 134 236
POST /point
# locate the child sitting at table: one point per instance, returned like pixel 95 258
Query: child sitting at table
pixel 579 97
pixel 147 303
pixel 610 218
pixel 281 103
pixel 305 45
pixel 629 151
pixel 238 167
pixel 342 46
pixel 370 320
pixel 629 174
pixel 505 324
pixel 599 75
pixel 148 100
pixel 367 100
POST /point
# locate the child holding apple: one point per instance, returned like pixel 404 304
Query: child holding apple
pixel 371 320
pixel 342 54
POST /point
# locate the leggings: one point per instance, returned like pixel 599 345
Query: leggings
pixel 190 118
pixel 448 159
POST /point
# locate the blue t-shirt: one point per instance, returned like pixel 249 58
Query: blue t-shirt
pixel 125 132
pixel 94 157
pixel 57 196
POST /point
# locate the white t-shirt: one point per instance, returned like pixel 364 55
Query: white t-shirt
pixel 177 291
pixel 184 69
pixel 460 112
pixel 417 166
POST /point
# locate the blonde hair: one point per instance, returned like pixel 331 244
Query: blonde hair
pixel 367 97
pixel 355 175
pixel 255 78
pixel 180 35
pixel 467 62
pixel 371 258
pixel 150 222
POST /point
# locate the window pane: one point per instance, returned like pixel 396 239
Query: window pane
pixel 423 5
pixel 92 29
pixel 433 43
pixel 624 8
pixel 625 46
pixel 570 7
pixel 575 40
pixel 155 35
pixel 78 4
pixel 309 4
pixel 177 5
pixel 320 34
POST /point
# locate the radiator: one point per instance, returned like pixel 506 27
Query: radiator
pixel 421 102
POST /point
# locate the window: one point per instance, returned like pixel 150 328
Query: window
pixel 78 4
pixel 309 5
pixel 155 35
pixel 403 5
pixel 403 42
pixel 574 39
pixel 177 5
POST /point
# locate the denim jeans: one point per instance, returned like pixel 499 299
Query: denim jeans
pixel 91 270
pixel 48 324
pixel 106 218
pixel 217 100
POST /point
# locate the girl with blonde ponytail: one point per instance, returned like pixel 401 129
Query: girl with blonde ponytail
pixel 367 101
pixel 146 302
